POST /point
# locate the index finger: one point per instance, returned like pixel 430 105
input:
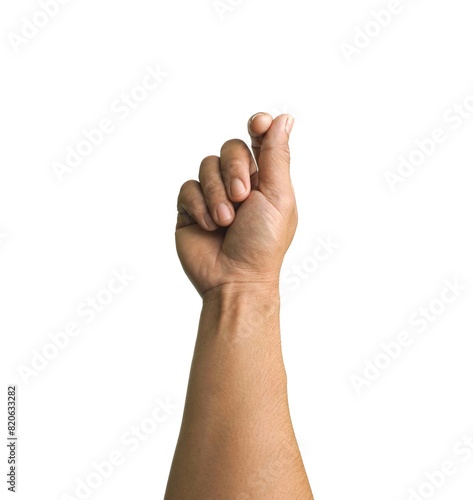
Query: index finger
pixel 258 125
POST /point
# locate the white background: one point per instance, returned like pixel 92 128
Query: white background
pixel 61 240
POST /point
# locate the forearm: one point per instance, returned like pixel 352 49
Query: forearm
pixel 236 438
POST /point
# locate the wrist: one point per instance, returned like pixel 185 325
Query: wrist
pixel 244 311
pixel 242 292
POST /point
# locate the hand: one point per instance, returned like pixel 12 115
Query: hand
pixel 235 225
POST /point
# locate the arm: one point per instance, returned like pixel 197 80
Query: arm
pixel 236 439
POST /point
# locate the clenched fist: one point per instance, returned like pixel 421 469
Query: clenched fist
pixel 236 223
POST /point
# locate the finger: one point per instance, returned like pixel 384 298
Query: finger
pixel 258 125
pixel 274 157
pixel 215 194
pixel 192 208
pixel 237 166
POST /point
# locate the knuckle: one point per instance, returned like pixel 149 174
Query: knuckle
pixel 186 186
pixel 208 160
pixel 234 167
pixel 185 189
pixel 193 201
pixel 213 191
pixel 189 196
pixel 233 143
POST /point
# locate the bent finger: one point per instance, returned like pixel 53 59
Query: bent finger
pixel 192 209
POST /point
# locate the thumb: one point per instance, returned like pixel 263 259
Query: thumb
pixel 274 158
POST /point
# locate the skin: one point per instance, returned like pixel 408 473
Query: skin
pixel 236 439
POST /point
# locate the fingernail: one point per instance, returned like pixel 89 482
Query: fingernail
pixel 257 114
pixel 223 212
pixel 289 124
pixel 209 221
pixel 237 187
